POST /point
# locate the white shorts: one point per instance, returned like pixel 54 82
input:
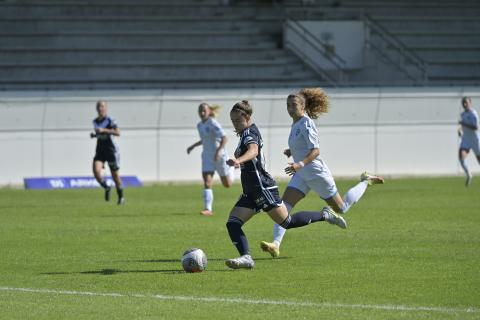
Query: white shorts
pixel 469 143
pixel 220 166
pixel 324 185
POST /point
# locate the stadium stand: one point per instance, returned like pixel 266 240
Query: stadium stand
pixel 444 35
pixel 81 44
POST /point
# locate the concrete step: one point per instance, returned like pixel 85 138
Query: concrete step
pixel 128 24
pixel 455 54
pixel 163 81
pixel 434 40
pixel 442 24
pixel 92 9
pixel 454 70
pixel 419 11
pixel 294 84
pixel 127 55
pixel 145 70
pixel 133 39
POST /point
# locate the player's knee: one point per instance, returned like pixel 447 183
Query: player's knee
pixel 234 223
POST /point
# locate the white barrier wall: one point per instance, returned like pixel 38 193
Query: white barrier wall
pixel 401 131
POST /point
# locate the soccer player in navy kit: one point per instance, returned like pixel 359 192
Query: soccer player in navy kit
pixel 106 130
pixel 260 191
pixel 470 136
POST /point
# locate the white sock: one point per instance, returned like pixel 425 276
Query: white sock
pixel 208 198
pixel 353 195
pixel 465 167
pixel 278 231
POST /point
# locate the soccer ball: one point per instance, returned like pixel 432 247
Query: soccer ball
pixel 194 260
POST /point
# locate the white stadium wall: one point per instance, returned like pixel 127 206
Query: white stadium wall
pixel 400 131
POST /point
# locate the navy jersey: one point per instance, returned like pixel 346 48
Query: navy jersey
pixel 106 143
pixel 253 173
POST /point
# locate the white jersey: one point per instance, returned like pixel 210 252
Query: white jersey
pixel 302 139
pixel 471 118
pixel 211 134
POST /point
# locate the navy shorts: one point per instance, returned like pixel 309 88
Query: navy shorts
pixel 113 160
pixel 261 199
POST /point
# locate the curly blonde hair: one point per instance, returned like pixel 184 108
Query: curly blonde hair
pixel 315 101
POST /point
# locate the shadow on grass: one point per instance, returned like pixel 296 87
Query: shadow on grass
pixel 110 272
pixel 178 260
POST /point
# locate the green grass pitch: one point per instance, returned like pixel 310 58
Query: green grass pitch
pixel 411 251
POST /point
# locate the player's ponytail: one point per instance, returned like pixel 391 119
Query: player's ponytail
pixel 214 110
pixel 316 101
pixel 243 107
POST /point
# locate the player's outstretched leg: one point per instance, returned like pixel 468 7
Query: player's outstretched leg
pixel 355 193
pixel 327 214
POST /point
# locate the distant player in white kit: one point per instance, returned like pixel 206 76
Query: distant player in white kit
pixel 309 171
pixel 470 136
pixel 214 155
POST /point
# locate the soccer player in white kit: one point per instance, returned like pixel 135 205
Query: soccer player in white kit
pixel 214 155
pixel 309 171
pixel 470 136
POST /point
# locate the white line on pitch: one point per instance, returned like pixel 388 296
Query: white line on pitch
pixel 249 301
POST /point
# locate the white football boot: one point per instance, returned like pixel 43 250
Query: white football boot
pixel 243 262
pixel 334 218
pixel 371 178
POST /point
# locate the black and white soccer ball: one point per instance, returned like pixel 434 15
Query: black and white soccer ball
pixel 194 260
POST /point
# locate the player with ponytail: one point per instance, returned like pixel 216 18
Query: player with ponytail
pixel 214 155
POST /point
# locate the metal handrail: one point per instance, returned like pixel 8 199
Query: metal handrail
pixel 397 45
pixel 384 34
pixel 389 59
pixel 318 45
pixel 319 71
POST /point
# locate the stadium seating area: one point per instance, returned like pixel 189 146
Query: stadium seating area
pixel 81 44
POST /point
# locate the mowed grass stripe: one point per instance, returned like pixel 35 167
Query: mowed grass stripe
pixel 247 301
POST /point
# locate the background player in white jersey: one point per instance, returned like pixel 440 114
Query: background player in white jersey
pixel 470 136
pixel 260 191
pixel 106 130
pixel 309 171
pixel 214 155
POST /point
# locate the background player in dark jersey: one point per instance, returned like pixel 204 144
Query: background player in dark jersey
pixel 260 191
pixel 107 150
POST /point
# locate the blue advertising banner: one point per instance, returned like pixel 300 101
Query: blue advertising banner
pixel 76 182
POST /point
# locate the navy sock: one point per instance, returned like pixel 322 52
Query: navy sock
pixel 302 219
pixel 120 192
pixel 104 184
pixel 234 227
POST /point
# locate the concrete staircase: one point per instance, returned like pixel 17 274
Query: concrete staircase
pixel 445 34
pixel 145 44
